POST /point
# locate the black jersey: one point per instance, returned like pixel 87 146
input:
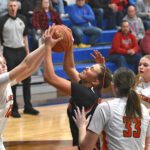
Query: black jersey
pixel 83 96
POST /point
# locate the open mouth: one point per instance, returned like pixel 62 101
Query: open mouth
pixel 141 71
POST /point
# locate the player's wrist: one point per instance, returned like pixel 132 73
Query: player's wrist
pixel 48 46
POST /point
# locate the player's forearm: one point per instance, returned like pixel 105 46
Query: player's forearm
pixel 33 58
pixel 49 72
pixel 33 62
pixel 68 60
pixel 82 134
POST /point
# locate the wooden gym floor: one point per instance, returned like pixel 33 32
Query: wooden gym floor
pixel 47 131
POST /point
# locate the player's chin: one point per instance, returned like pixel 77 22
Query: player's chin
pixel 4 71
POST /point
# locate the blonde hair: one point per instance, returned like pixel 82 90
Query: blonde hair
pixel 146 56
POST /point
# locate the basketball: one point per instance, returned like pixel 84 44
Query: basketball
pixel 65 43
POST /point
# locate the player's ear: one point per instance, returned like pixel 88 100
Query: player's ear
pixel 95 83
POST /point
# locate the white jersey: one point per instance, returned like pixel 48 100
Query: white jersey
pixel 144 89
pixel 6 100
pixel 120 135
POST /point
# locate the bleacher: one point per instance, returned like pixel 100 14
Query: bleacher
pixel 82 56
pixel 82 59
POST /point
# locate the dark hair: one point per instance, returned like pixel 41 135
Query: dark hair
pixel 123 21
pixel 105 77
pixel 124 80
pixel 40 7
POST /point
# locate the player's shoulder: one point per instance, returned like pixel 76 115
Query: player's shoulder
pixel 114 101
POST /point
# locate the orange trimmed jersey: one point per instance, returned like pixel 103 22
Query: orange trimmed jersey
pixel 120 133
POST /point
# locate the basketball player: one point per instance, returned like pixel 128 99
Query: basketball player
pixel 84 88
pixel 143 86
pixel 125 120
pixel 7 79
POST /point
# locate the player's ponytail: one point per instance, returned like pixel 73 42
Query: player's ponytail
pixel 105 77
pixel 133 107
pixel 124 81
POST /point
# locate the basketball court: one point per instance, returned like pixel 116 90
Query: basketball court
pixel 48 131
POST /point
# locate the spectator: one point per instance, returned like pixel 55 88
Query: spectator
pixel 143 11
pixel 124 48
pixel 43 17
pixel 3 7
pixel 135 23
pixel 132 2
pixel 145 43
pixel 15 41
pixel 82 15
pixel 119 9
pixel 103 11
pixel 59 7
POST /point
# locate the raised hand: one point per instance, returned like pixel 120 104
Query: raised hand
pixel 48 37
pixel 80 118
pixel 98 57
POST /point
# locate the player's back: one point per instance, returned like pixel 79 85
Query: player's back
pixel 123 135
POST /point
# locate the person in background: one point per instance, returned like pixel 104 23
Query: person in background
pixel 82 15
pixel 145 44
pixel 143 11
pixel 125 121
pixel 43 17
pixel 103 11
pixel 135 23
pixel 125 49
pixel 14 38
pixel 58 5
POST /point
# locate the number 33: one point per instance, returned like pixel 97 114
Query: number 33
pixel 129 132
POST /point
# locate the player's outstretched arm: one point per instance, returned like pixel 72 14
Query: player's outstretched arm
pixel 28 65
pixel 69 65
pixel 49 73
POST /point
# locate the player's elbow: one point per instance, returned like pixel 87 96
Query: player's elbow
pixel 49 78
